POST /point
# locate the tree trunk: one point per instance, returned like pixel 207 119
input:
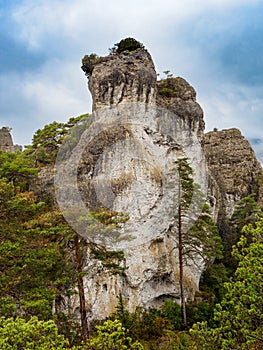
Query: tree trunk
pixel 181 267
pixel 57 312
pixel 82 304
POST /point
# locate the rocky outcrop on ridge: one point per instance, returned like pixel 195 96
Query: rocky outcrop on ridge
pixel 126 164
pixel 233 164
pixel 6 142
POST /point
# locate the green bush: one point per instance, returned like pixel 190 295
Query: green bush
pixel 16 334
pixel 128 44
pixel 170 310
pixel 112 335
pixel 167 92
pixel 88 62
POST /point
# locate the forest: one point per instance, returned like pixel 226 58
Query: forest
pixel 41 260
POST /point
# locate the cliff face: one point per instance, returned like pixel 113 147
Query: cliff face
pixel 125 163
pixel 234 173
pixel 123 78
pixel 234 167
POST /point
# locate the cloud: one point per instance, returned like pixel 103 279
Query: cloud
pixel 232 106
pixel 91 19
pixel 207 43
pixel 234 42
pixel 15 57
pixel 57 92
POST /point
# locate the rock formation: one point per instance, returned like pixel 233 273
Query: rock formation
pixel 234 173
pixel 125 162
pixel 6 142
pixel 233 165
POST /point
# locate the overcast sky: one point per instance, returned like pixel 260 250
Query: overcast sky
pixel 216 45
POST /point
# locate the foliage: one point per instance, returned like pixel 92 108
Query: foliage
pixel 149 324
pixel 128 44
pixel 200 238
pixel 17 167
pixel 239 316
pixel 109 217
pixel 200 311
pixel 18 334
pixel 167 92
pixel 172 86
pixel 88 63
pixel 171 311
pixel 33 262
pixel 124 316
pixel 174 340
pixel 69 326
pixel 213 279
pixel 160 328
pixel 110 259
pixel 47 141
pixel 245 212
pixel 113 336
pixel 203 238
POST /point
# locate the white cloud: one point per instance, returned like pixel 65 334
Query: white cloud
pixel 89 19
pixel 59 87
pixel 228 105
pixel 57 92
pixel 66 30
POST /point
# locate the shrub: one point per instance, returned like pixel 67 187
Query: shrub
pixel 16 334
pixel 88 62
pixel 112 335
pixel 167 92
pixel 170 310
pixel 128 44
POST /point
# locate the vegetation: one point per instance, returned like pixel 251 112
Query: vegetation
pixel 47 141
pixel 112 335
pixel 238 317
pixel 34 269
pixel 128 44
pixel 16 334
pixel 17 168
pixel 41 264
pixel 172 86
pixel 88 63
pixel 201 238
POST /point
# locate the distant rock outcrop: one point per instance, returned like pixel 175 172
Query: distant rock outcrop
pixel 6 142
pixel 234 171
pixel 233 165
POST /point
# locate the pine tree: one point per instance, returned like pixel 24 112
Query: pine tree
pixel 33 264
pixel 239 317
pixel 199 238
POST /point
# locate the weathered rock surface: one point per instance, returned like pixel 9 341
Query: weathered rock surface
pixel 234 167
pixel 126 164
pixel 126 77
pixel 6 142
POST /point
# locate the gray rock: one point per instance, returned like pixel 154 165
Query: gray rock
pixel 124 162
pixel 6 142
